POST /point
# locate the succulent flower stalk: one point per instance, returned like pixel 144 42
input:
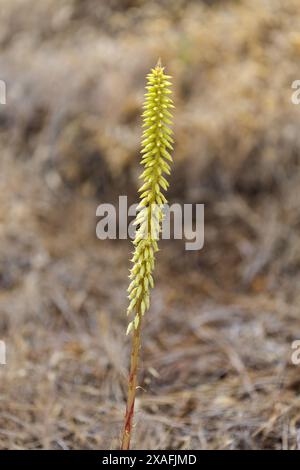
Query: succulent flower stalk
pixel 156 158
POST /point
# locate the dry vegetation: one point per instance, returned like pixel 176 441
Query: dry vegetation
pixel 217 370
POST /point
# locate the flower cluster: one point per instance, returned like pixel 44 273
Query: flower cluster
pixel 156 146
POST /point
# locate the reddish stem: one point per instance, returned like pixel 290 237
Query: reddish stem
pixel 132 385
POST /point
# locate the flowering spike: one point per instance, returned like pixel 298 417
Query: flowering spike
pixel 156 140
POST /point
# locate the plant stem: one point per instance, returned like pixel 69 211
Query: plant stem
pixel 132 385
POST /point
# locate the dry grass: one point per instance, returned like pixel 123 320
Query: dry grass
pixel 217 371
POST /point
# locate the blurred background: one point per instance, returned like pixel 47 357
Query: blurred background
pixel 216 369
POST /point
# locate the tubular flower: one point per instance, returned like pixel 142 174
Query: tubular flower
pixel 156 146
